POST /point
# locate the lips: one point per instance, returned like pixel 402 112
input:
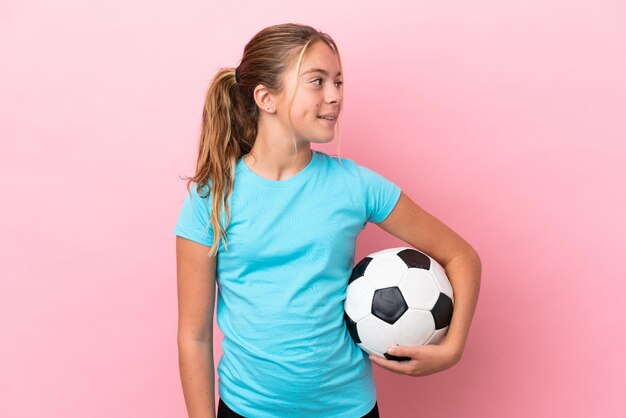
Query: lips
pixel 328 122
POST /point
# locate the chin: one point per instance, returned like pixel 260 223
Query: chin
pixel 322 140
pixel 318 137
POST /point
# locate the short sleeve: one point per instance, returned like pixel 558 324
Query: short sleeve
pixel 194 221
pixel 379 193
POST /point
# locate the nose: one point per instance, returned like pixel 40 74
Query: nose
pixel 334 94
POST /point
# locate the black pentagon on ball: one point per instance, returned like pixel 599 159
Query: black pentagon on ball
pixel 359 269
pixel 396 358
pixel 442 311
pixel 351 325
pixel 388 304
pixel 415 259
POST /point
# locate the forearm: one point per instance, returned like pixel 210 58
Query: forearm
pixel 464 274
pixel 197 377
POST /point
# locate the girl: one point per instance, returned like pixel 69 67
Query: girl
pixel 288 244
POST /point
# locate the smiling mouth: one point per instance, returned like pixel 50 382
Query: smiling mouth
pixel 327 120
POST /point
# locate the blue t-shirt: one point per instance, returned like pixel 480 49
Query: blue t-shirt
pixel 282 285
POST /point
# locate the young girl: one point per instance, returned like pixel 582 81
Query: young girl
pixel 289 242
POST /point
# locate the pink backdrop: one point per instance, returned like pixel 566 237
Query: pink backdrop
pixel 506 121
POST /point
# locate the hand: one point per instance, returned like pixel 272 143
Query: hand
pixel 422 359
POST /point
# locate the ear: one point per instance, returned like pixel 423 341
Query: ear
pixel 264 99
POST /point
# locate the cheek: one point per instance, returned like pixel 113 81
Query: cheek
pixel 309 111
pixel 305 110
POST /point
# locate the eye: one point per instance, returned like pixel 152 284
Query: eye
pixel 338 83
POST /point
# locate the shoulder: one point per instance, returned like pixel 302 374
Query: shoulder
pixel 197 191
pixel 350 167
pixel 339 163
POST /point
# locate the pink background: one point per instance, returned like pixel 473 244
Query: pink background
pixel 506 121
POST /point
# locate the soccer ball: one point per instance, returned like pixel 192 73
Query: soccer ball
pixel 397 296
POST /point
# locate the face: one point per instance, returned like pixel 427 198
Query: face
pixel 318 93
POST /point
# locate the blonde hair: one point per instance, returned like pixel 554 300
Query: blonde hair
pixel 230 115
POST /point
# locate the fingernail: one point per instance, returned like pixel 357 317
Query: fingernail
pixel 391 350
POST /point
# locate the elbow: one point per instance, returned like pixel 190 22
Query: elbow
pixel 477 258
pixel 471 252
pixel 186 339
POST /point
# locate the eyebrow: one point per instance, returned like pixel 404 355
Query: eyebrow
pixel 319 70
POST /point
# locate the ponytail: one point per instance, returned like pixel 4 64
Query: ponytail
pixel 225 134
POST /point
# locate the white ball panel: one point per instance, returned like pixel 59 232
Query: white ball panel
pixel 438 336
pixel 369 350
pixel 359 296
pixel 378 334
pixel 385 270
pixel 387 251
pixel 419 289
pixel 415 327
pixel 439 273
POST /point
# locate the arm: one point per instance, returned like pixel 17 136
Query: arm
pixel 196 300
pixel 412 224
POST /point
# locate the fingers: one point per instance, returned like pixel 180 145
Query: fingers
pixel 400 367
